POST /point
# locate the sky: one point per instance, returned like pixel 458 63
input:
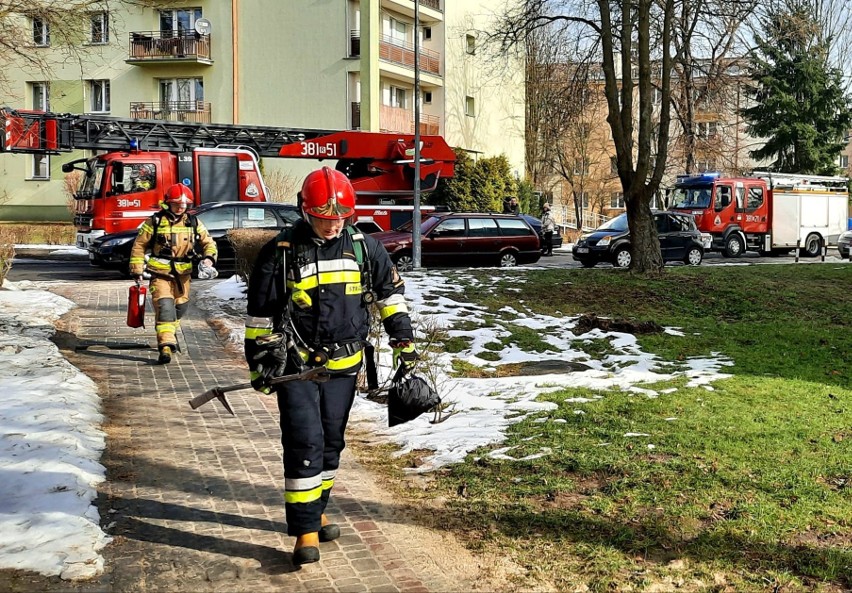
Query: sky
pixel 51 439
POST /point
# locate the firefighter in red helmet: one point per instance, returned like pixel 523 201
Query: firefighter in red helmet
pixel 174 238
pixel 308 300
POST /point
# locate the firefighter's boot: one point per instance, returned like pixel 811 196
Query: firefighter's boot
pixel 307 549
pixel 329 531
pixel 165 355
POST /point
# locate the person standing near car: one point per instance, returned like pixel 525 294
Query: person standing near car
pixel 511 206
pixel 171 236
pixel 548 226
pixel 312 287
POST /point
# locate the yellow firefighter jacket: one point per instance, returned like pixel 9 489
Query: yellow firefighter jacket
pixel 172 246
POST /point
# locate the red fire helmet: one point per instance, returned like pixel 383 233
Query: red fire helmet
pixel 179 194
pixel 327 193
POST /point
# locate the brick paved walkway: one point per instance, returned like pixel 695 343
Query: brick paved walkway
pixel 194 498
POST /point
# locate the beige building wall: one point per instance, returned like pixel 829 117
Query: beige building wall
pixel 307 64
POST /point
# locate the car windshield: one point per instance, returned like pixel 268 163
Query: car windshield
pixel 425 224
pixel 619 223
pixel 691 197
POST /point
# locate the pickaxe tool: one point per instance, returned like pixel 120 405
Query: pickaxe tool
pixel 318 374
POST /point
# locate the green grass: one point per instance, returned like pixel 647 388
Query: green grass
pixel 748 486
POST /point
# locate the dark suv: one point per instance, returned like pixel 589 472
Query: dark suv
pixel 680 240
pixel 465 239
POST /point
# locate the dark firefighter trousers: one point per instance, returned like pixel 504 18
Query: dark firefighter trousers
pixel 313 420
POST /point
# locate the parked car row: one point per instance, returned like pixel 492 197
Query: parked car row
pixel 447 238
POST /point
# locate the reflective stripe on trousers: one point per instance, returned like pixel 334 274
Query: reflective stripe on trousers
pixel 313 422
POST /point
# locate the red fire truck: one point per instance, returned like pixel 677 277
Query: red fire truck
pixel 767 213
pixel 220 162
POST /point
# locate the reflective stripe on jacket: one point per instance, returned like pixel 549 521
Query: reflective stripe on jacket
pixel 324 294
pixel 175 244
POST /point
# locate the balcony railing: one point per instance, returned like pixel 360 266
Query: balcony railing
pixel 198 112
pixel 168 45
pixel 399 52
pixel 433 4
pixel 396 119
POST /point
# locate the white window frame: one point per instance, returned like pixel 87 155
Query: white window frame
pixel 616 199
pixel 44 104
pixel 843 161
pixel 397 97
pixel 470 106
pixel 41 33
pixel 396 31
pixel 99 92
pixel 99 19
pixel 193 13
pixel 584 199
pixel 40 167
pixel 181 91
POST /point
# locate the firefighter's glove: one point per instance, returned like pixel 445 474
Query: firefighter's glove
pixel 269 361
pixel 404 353
pixel 206 271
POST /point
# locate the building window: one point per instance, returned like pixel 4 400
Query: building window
pixel 396 97
pixel 41 166
pixel 427 97
pixel 41 98
pixel 182 94
pixel 427 33
pixel 99 27
pixel 704 166
pixel 396 31
pixel 99 93
pixel 706 129
pixel 584 199
pixel 41 32
pixel 181 21
pixel 844 161
pixel 613 165
pixel 616 199
pixel 469 107
pixel 470 44
pixel 580 167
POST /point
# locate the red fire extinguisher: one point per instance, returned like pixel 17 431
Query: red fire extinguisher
pixel 136 305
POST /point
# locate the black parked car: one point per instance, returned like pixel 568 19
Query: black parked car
pixel 535 223
pixel 113 251
pixel 843 244
pixel 680 240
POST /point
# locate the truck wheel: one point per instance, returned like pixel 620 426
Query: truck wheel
pixel 404 262
pixel 812 246
pixel 733 246
pixel 622 258
pixel 693 257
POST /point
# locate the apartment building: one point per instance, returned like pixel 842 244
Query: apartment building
pixel 331 64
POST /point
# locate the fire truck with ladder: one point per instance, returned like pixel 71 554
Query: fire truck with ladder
pixel 771 213
pixel 220 162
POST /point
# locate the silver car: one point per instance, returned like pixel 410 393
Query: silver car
pixel 843 244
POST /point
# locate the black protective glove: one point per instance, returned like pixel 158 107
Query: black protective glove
pixel 269 361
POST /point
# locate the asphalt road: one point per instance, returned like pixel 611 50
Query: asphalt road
pixel 42 265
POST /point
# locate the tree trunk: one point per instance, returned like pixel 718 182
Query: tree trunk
pixel 647 259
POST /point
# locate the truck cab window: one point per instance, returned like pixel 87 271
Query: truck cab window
pixel 723 197
pixel 755 198
pixel 139 177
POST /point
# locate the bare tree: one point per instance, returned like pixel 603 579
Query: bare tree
pixel 619 36
pixel 60 24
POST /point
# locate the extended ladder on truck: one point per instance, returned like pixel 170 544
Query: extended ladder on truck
pixel 387 158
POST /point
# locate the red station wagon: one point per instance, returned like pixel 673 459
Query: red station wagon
pixel 465 239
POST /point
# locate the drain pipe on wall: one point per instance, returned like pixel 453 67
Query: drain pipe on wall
pixel 235 62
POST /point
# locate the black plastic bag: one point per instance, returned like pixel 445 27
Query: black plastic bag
pixel 408 398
